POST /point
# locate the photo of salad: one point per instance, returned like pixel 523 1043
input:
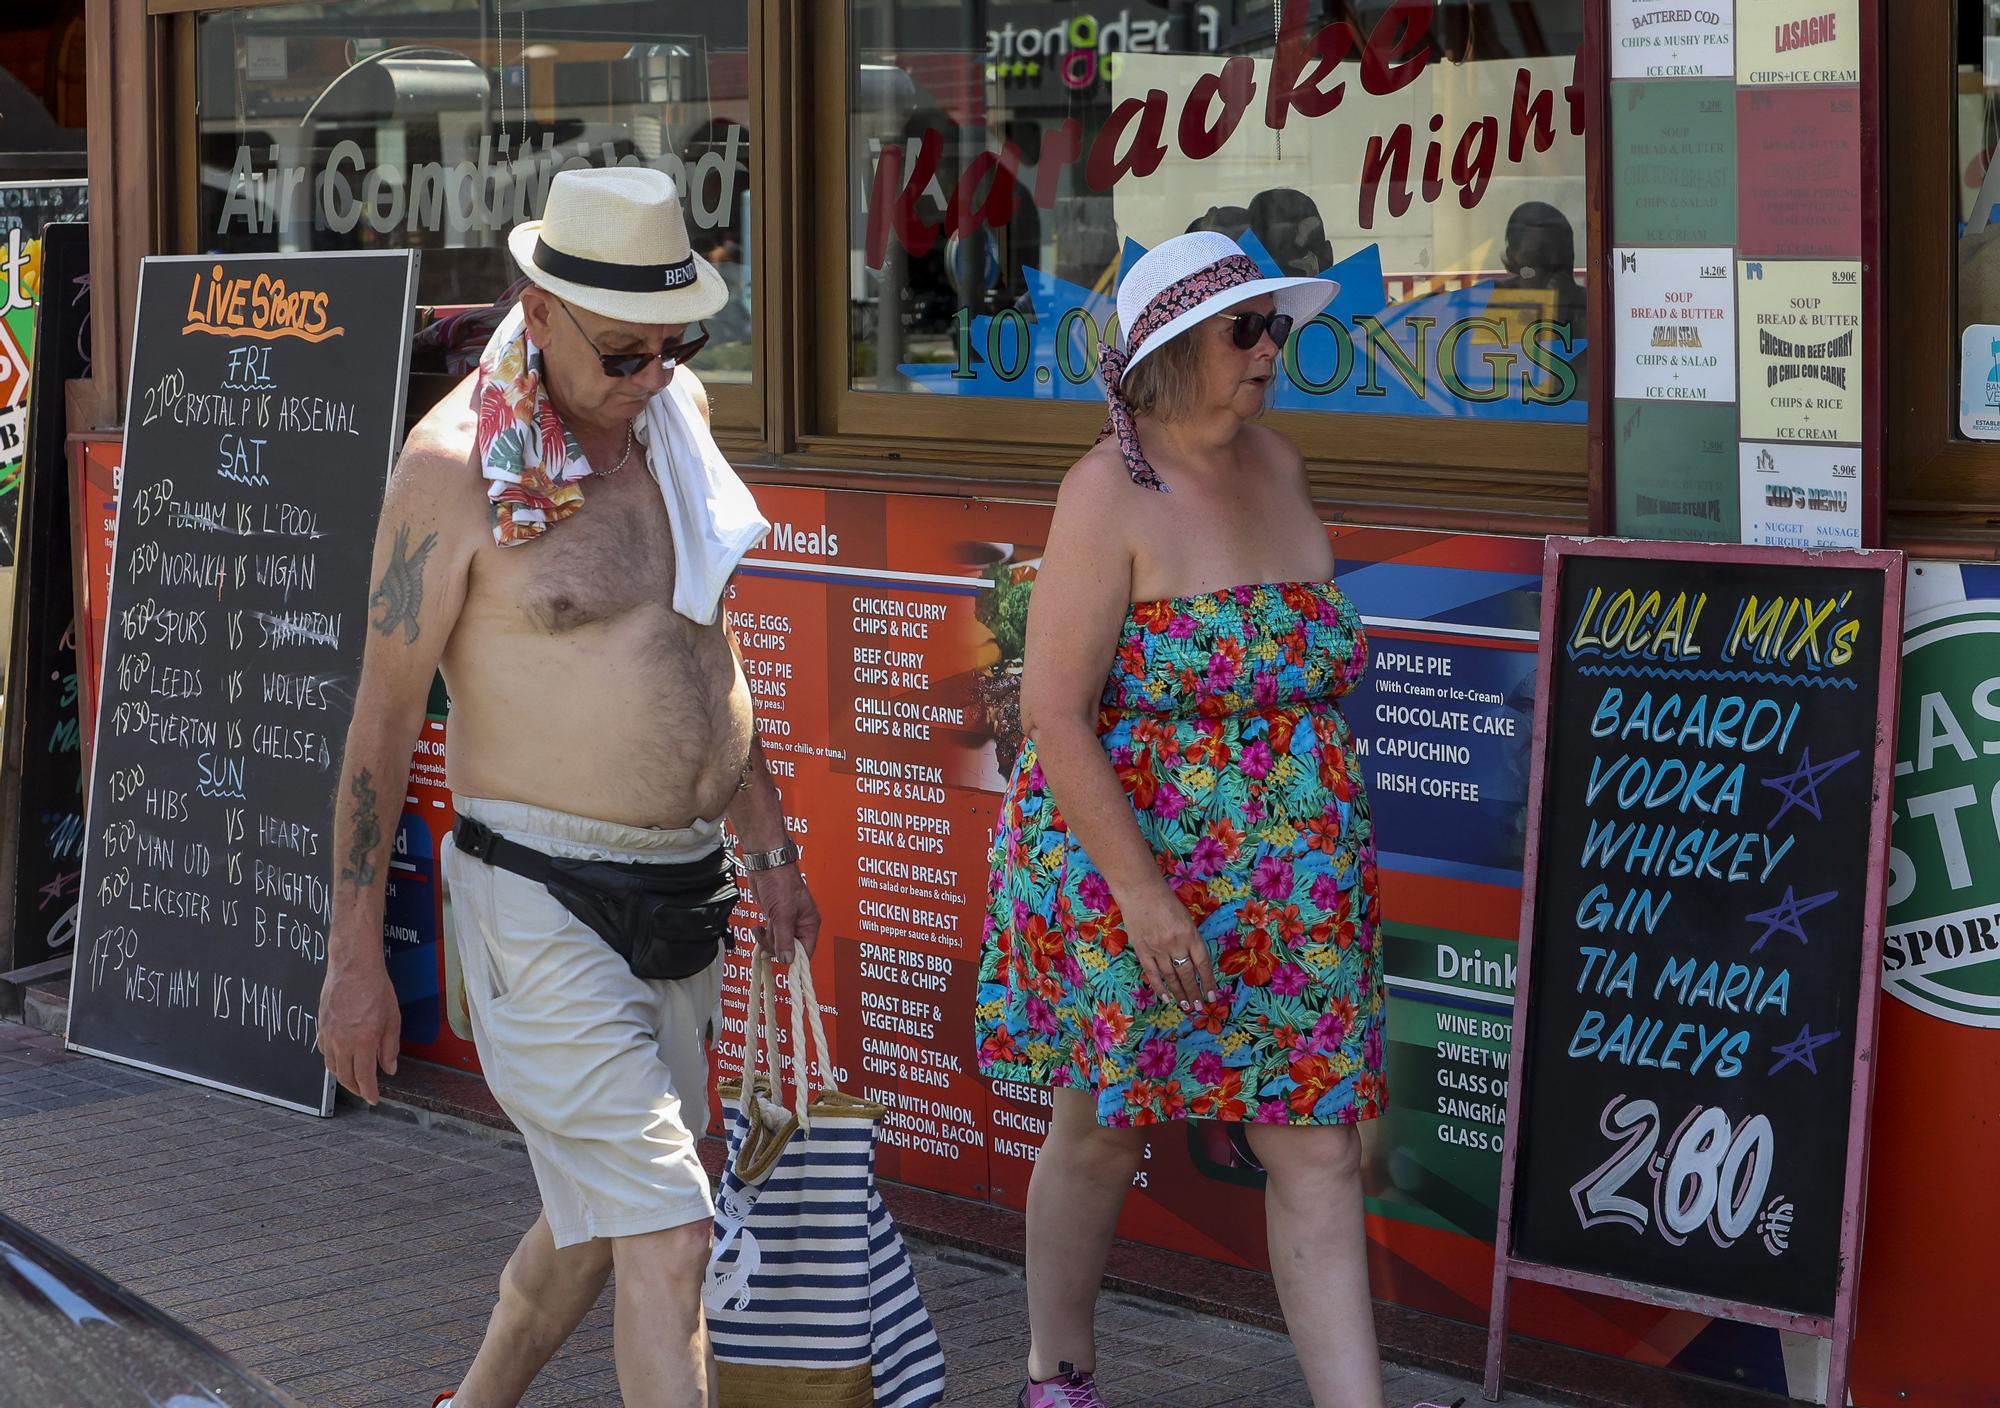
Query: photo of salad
pixel 997 685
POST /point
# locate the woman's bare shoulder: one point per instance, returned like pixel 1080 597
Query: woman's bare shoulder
pixel 1099 479
pixel 1095 516
pixel 1274 448
pixel 1277 462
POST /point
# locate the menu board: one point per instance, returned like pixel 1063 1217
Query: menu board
pixel 42 747
pixel 1656 39
pixel 419 938
pixel 1802 495
pixel 1799 172
pixel 1680 478
pixel 266 409
pixel 882 637
pixel 1798 42
pixel 95 468
pixel 882 700
pixel 1801 335
pixel 1674 148
pixel 1740 145
pixel 1704 933
pixel 1442 720
pixel 1676 325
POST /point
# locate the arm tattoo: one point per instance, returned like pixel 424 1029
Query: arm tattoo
pixel 360 867
pixel 401 594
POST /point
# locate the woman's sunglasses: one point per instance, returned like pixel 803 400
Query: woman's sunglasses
pixel 623 364
pixel 1251 327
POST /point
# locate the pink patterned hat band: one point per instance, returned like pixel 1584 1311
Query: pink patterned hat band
pixel 1168 304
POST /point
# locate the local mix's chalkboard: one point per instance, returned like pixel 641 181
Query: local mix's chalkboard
pixel 266 408
pixel 41 747
pixel 1708 880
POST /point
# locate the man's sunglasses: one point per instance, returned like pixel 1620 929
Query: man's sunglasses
pixel 623 364
pixel 1251 327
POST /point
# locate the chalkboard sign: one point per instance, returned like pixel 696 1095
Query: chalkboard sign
pixel 27 210
pixel 1702 926
pixel 266 408
pixel 41 746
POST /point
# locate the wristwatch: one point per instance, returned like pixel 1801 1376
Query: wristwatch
pixel 786 854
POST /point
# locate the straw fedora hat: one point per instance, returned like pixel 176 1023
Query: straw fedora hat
pixel 613 240
pixel 1172 261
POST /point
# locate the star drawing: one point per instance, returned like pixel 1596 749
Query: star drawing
pixel 1801 1051
pixel 1800 787
pixel 1784 916
pixel 57 888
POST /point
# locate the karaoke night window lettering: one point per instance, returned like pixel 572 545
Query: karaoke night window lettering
pixel 1426 157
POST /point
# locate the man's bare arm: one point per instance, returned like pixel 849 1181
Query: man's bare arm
pixel 423 548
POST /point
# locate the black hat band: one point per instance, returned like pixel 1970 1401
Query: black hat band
pixel 620 278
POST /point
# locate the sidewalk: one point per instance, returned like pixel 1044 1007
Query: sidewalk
pixel 352 1261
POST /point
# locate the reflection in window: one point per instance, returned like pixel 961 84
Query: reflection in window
pixel 363 124
pixel 1978 79
pixel 1008 159
pixel 41 90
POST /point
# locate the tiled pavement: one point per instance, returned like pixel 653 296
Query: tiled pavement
pixel 352 1260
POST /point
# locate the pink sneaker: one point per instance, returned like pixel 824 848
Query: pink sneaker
pixel 1071 1388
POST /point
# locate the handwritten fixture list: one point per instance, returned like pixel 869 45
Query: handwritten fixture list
pixel 266 408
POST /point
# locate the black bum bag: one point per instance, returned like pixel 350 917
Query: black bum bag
pixel 666 920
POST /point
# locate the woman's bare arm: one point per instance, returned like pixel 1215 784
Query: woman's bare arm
pixel 1078 609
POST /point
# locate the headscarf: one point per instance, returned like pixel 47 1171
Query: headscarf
pixel 1169 303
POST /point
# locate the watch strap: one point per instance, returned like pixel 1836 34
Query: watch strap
pixel 767 860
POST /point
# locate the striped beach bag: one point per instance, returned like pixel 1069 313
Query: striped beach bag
pixel 810 1295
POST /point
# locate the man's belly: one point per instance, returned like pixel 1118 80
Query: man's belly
pixel 618 747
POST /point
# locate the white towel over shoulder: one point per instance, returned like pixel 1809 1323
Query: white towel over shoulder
pixel 711 512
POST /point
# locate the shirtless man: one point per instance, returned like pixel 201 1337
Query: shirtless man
pixel 592 718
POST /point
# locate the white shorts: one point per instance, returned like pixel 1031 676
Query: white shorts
pixel 605 1074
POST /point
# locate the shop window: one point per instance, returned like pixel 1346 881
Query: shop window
pixel 1941 115
pixel 1007 160
pixel 1976 78
pixel 41 90
pixel 358 125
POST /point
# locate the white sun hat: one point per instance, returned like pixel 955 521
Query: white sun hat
pixel 1169 289
pixel 613 240
pixel 1173 263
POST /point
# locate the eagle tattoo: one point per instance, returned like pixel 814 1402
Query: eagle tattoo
pixel 401 595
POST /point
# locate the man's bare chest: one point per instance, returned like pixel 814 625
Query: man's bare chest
pixel 610 559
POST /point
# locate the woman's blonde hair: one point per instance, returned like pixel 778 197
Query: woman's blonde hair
pixel 1169 381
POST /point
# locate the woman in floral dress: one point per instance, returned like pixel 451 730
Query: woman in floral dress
pixel 1182 920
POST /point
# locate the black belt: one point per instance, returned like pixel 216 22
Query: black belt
pixel 482 842
pixel 667 919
